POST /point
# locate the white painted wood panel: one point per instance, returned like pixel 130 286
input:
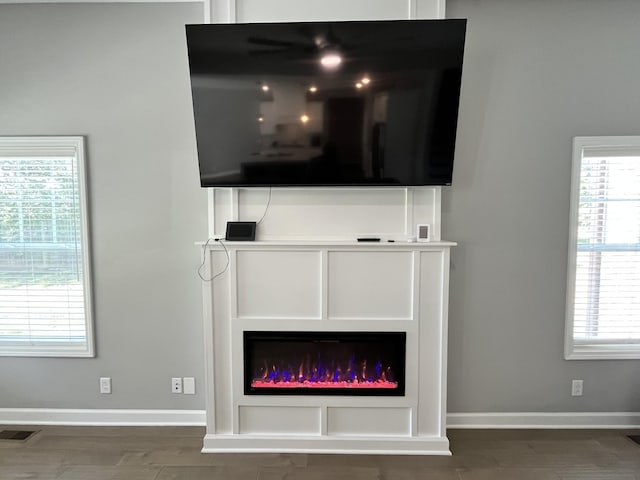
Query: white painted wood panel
pixel 426 209
pixel 346 280
pixel 302 214
pixel 219 385
pixel 370 285
pixel 292 10
pixel 336 286
pixel 283 284
pixel 279 420
pixel 359 421
pixel 429 9
pixel 325 213
pixel 330 212
pixel 432 341
pixel 276 10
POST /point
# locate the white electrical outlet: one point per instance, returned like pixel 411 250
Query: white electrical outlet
pixel 189 385
pixel 105 384
pixel 576 388
pixel 176 385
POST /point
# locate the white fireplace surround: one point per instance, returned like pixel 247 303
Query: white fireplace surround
pixel 306 272
pixel 328 285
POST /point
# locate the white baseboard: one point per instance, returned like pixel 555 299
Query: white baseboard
pixel 544 420
pixel 127 417
pixel 111 417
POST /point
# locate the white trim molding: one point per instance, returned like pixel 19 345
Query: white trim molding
pixel 544 420
pixel 148 417
pixel 600 324
pixel 100 417
pixel 54 340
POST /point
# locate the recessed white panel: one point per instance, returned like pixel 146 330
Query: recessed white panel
pixel 293 10
pixel 324 213
pixel 430 8
pixel 370 284
pixel 426 209
pixel 279 420
pixel 368 421
pixel 432 349
pixel 279 284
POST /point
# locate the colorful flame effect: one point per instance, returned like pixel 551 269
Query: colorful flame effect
pixel 317 374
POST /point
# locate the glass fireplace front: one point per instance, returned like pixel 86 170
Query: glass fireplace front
pixel 324 363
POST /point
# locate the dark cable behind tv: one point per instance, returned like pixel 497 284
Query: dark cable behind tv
pixel 267 113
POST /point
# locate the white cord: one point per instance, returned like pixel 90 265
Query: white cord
pixel 266 208
pixel 204 250
pixel 204 259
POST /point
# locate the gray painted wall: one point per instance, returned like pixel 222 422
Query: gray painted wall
pixel 117 74
pixel 536 75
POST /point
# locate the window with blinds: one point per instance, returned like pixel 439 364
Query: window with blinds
pixel 45 303
pixel 603 295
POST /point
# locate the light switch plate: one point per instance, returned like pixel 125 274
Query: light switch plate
pixel 189 385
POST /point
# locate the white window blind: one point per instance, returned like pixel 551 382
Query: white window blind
pixel 603 297
pixel 45 303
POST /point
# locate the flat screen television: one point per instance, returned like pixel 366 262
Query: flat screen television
pixel 326 103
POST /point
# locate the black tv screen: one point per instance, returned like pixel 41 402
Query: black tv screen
pixel 331 103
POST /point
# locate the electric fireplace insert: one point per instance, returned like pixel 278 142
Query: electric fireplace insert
pixel 324 363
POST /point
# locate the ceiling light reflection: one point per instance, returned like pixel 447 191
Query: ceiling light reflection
pixel 331 60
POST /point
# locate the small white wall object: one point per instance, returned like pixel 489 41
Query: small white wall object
pixel 423 232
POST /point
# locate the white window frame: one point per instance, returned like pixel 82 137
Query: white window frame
pixel 59 146
pixel 580 350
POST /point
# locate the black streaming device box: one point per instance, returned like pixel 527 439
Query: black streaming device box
pixel 241 231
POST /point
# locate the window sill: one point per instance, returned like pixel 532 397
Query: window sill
pixel 603 352
pixel 62 352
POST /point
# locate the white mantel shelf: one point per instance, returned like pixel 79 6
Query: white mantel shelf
pixel 244 245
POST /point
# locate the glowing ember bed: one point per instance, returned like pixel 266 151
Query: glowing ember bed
pixel 324 363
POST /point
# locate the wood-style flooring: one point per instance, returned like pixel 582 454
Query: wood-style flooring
pixel 173 453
